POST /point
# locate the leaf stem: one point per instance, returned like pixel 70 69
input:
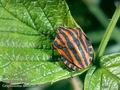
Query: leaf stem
pixel 108 32
pixel 76 83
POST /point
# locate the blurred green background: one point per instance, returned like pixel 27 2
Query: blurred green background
pixel 93 16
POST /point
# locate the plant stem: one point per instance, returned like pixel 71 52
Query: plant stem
pixel 108 32
pixel 76 83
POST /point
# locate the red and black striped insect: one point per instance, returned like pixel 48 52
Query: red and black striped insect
pixel 74 47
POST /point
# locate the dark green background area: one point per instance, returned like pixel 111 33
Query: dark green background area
pixel 92 27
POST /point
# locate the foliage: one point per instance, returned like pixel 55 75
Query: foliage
pixel 106 75
pixel 27 30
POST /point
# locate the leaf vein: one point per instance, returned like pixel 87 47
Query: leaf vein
pixel 15 16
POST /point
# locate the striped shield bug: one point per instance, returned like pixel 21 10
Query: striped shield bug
pixel 74 47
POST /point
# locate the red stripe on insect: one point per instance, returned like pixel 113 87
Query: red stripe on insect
pixel 72 55
pixel 61 52
pixel 76 48
pixel 86 52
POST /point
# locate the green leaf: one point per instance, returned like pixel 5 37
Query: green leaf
pixel 27 29
pixel 31 67
pixel 106 76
